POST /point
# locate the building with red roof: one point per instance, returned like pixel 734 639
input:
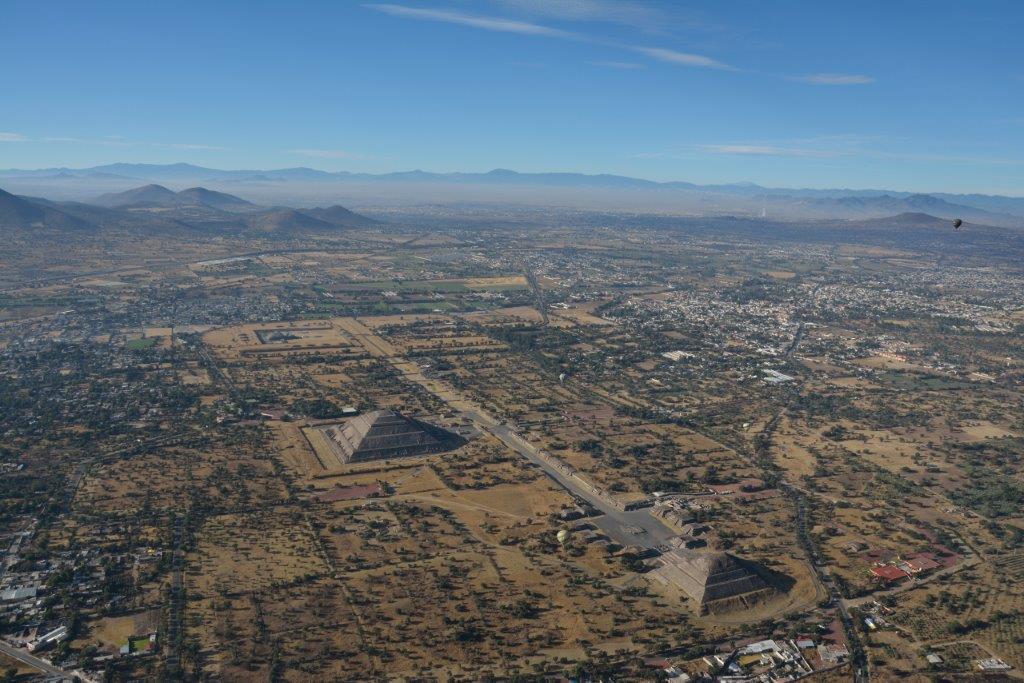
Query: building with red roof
pixel 922 563
pixel 889 573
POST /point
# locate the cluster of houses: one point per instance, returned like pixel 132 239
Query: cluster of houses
pixel 761 661
pixel 23 597
pixel 30 593
pixel 899 569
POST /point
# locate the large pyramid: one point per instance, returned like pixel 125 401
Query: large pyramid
pixel 710 576
pixel 387 434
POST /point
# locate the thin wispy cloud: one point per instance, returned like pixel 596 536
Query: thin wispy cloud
pixel 625 13
pixel 818 146
pixel 188 145
pixel 641 16
pixel 620 12
pixel 769 150
pixel 683 58
pixel 106 141
pixel 834 79
pixel 845 146
pixel 619 65
pixel 474 21
pixel 500 24
pixel 657 155
pixel 51 138
pixel 327 153
pixel 946 158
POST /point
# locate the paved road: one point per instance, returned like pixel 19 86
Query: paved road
pixel 797 338
pixel 172 641
pixel 824 579
pixel 620 526
pixel 31 660
pixel 538 293
pixel 861 672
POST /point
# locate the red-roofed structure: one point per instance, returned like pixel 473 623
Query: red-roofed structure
pixel 889 573
pixel 922 563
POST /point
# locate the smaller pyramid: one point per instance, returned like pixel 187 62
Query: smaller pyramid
pixel 384 434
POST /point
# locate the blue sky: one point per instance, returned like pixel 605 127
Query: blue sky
pixel 915 95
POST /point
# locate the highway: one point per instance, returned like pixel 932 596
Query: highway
pixel 31 660
pixel 620 526
pixel 538 293
pixel 176 607
pixel 637 527
pixel 858 662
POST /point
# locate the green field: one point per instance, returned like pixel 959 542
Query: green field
pixel 139 644
pixel 139 344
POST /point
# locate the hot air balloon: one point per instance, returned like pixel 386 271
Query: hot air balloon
pixel 957 223
pixel 562 536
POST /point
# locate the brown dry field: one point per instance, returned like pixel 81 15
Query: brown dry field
pixel 232 342
pixel 252 552
pixel 110 633
pixel 162 479
pixel 351 588
pixel 515 314
pixel 194 376
pixel 990 592
pixel 376 322
pixel 459 525
pixel 20 669
pixel 578 316
pixel 516 280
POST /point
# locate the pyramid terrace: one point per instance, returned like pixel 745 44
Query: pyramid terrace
pixel 384 434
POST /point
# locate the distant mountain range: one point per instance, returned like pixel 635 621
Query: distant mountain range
pixel 307 186
pixel 157 209
pixel 199 212
pixel 866 207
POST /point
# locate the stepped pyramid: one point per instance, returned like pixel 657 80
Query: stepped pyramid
pixel 386 434
pixel 710 576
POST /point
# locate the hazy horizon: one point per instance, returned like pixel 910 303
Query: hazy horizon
pixel 803 96
pixel 341 174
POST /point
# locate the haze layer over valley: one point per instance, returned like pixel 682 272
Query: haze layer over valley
pixel 309 187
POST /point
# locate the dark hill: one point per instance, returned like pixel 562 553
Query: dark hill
pixel 218 200
pixel 286 221
pixel 855 207
pixel 18 212
pixel 24 214
pixel 150 196
pixel 147 195
pixel 908 219
pixel 342 217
